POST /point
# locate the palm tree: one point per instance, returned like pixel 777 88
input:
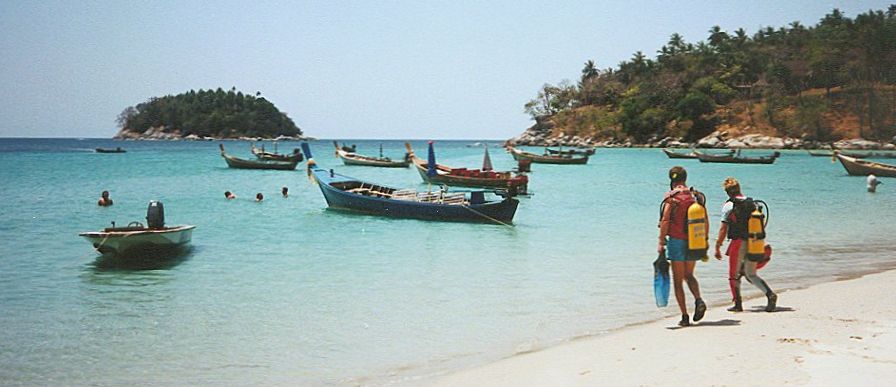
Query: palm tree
pixel 589 71
pixel 717 37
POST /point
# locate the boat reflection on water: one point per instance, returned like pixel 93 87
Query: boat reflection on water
pixel 144 259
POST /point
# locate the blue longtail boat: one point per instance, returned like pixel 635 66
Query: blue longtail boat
pixel 350 194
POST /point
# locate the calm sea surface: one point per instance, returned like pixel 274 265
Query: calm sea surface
pixel 285 291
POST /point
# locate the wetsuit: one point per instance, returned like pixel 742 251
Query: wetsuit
pixel 738 265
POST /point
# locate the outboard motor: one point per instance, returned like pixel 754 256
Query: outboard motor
pixel 155 215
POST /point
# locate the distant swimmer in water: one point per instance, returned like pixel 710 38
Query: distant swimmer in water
pixel 104 201
pixel 259 197
pixel 285 192
pixel 673 224
pixel 229 195
pixel 873 183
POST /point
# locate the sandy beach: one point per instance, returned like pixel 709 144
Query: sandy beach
pixel 836 333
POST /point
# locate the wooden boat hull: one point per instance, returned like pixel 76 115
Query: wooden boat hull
pixel 380 164
pixel 367 161
pixel 676 155
pixel 135 242
pixel 503 180
pixel 858 167
pixel 546 159
pixel 692 155
pixel 572 152
pixel 706 158
pixel 238 163
pixel 461 181
pixel 269 156
pixel 334 189
pixel 104 150
pixel 869 155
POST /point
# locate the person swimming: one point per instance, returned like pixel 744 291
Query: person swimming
pixel 285 191
pixel 229 195
pixel 104 201
pixel 873 183
pixel 259 197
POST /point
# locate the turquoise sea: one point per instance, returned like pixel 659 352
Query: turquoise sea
pixel 287 292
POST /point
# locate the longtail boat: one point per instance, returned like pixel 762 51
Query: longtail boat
pixel 546 158
pixel 463 177
pixel 137 238
pixel 352 158
pixel 858 167
pixel 869 154
pixel 820 153
pixel 572 152
pixel 350 194
pixel 235 162
pixel 692 154
pixel 735 159
pixel 261 154
pixel 855 154
pixel 110 150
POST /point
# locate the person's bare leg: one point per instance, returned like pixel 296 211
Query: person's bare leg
pixel 689 277
pixel 699 305
pixel 678 269
pixel 678 282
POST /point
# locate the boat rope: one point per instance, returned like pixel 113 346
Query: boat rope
pixel 103 242
pixel 487 217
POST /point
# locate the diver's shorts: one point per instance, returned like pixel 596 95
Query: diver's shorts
pixel 677 250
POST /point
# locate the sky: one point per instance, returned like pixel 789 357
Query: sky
pixel 358 69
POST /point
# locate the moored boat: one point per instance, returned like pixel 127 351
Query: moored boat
pixel 869 154
pixel 693 154
pixel 137 238
pixel 463 177
pixel 352 158
pixel 546 158
pixel 235 162
pixel 261 154
pixel 858 167
pixel 110 150
pixel 349 194
pixel 736 159
pixel 572 152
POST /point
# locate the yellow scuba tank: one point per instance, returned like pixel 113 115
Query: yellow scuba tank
pixel 756 235
pixel 698 237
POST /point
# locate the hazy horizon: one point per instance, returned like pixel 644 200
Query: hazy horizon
pixel 392 70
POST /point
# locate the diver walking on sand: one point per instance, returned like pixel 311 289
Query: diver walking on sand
pixel 737 215
pixel 678 204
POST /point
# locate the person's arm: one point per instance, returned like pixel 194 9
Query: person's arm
pixel 723 230
pixel 664 227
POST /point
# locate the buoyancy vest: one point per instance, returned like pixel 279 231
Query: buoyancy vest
pixel 739 217
pixel 680 200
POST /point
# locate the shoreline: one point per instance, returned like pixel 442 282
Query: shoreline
pixel 723 340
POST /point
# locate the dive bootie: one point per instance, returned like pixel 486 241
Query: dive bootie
pixel 699 309
pixel 738 306
pixel 772 302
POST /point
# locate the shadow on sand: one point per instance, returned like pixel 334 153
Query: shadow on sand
pixel 144 260
pixel 759 308
pixel 719 323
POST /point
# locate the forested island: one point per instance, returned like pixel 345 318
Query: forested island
pixel 794 86
pixel 206 114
